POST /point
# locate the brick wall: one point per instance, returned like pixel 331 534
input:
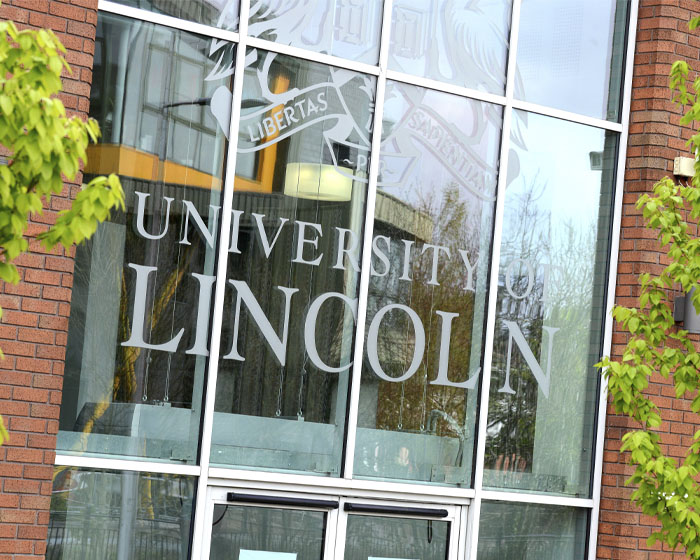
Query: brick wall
pixel 655 139
pixel 35 315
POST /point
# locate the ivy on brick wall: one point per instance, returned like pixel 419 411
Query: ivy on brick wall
pixel 42 146
pixel 665 488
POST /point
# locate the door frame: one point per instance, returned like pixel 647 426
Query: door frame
pixel 337 518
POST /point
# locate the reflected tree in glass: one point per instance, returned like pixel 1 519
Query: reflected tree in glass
pixel 415 405
pixel 426 305
pixel 513 409
pixel 549 311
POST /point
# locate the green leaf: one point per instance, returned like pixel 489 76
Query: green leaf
pixel 6 104
pixel 4 436
pixel 42 142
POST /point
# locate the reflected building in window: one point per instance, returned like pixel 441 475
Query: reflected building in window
pixel 128 396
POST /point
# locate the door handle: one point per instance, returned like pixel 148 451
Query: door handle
pixel 280 501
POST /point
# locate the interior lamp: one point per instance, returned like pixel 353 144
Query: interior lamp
pixel 318 181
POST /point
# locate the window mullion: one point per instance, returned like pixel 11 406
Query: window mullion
pixel 370 202
pixel 475 508
pixel 222 265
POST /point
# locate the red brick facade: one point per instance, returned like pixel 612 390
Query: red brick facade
pixel 35 316
pixel 655 139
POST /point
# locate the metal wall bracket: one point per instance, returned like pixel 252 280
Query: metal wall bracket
pixel 684 311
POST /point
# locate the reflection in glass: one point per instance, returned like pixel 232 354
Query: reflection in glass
pixel 337 27
pixel 219 13
pixel 549 318
pixel 571 55
pixel 463 43
pixel 510 530
pixel 427 296
pixel 372 537
pixel 137 339
pixel 119 514
pixel 292 280
pixel 263 533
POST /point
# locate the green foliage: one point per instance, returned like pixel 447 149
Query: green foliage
pixel 664 489
pixel 43 146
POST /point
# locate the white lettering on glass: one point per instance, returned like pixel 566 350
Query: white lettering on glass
pixel 515 334
pixel 141 210
pixel 436 256
pixel 302 240
pixel 380 255
pixel 406 259
pixel 347 249
pixel 208 234
pixel 310 329
pixel 267 245
pixel 351 251
pixel 235 226
pixel 443 362
pixel 277 344
pixel 470 269
pixel 202 327
pixel 418 343
pixel 530 278
pixel 139 320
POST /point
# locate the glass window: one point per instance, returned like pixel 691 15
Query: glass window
pixel 293 266
pixel 138 331
pixel 373 538
pixel 119 514
pixel 571 55
pixel 219 13
pixel 427 297
pixel 266 533
pixel 349 29
pixel 463 43
pixel 531 532
pixel 550 308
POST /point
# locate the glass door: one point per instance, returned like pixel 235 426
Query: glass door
pixel 382 530
pixel 262 525
pixel 258 525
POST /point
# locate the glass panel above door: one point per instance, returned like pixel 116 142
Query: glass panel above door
pixel 293 266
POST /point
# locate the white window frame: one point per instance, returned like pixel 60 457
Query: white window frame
pixel 212 479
